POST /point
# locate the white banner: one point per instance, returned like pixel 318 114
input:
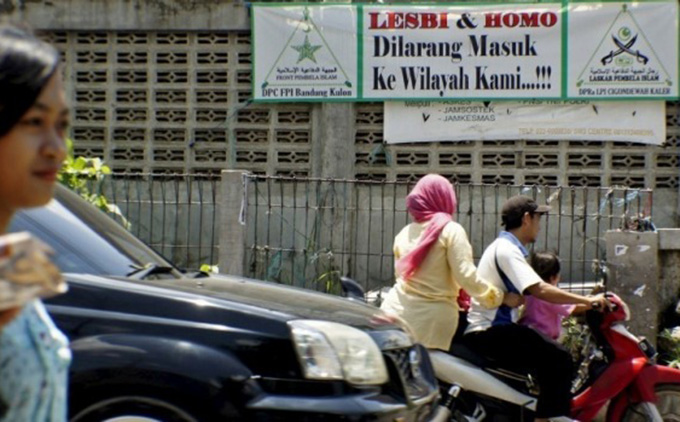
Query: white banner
pixel 624 50
pixel 499 51
pixel 427 121
pixel 305 53
pixel 536 51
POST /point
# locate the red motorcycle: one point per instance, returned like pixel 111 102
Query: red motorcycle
pixel 639 389
pixel 617 368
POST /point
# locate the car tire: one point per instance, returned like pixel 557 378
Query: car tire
pixel 133 408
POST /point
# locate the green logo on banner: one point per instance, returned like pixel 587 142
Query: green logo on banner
pixel 307 62
pixel 306 50
pixel 624 57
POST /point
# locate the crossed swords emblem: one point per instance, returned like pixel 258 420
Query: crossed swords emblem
pixel 624 48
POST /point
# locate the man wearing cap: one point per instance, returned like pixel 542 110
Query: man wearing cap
pixel 495 334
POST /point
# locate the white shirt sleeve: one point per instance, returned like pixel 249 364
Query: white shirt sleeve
pixel 516 267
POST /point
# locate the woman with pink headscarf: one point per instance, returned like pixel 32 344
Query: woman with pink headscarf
pixel 433 262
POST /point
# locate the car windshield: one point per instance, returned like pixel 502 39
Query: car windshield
pixel 86 240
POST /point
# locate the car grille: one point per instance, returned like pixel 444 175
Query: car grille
pixel 408 366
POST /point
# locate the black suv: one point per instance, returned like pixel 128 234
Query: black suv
pixel 152 343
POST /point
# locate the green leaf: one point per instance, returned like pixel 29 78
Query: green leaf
pixel 80 164
pixel 69 148
pixel 77 173
pixel 207 268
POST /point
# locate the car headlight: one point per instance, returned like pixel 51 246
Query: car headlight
pixel 332 351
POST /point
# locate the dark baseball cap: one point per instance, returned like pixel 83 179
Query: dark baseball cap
pixel 515 207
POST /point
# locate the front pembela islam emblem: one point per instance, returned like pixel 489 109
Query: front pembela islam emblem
pixel 307 66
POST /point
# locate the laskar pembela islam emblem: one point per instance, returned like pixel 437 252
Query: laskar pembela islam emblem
pixel 624 56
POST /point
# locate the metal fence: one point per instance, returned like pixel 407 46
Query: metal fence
pixel 308 232
pixel 174 214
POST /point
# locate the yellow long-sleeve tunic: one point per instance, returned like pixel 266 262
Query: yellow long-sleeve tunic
pixel 427 301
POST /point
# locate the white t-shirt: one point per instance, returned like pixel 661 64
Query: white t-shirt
pixel 510 255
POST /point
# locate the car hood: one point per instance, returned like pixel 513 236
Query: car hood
pixel 219 298
pixel 287 301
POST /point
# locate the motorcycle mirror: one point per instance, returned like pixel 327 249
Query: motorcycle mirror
pixel 352 290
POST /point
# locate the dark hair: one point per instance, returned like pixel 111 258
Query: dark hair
pixel 546 264
pixel 26 64
pixel 515 207
pixel 513 221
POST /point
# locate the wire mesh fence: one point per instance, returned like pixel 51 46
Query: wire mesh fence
pixel 309 232
pixel 175 215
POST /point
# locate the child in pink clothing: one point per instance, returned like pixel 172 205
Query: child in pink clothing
pixel 544 317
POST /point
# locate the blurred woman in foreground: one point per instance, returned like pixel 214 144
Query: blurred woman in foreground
pixel 34 354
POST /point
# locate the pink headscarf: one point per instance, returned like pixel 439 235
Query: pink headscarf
pixel 433 200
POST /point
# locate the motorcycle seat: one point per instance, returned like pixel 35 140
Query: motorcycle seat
pixel 517 377
pixel 462 351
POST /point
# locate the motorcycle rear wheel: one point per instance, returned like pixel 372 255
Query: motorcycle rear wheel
pixel 667 402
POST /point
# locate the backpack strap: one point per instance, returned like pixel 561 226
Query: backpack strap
pixel 504 313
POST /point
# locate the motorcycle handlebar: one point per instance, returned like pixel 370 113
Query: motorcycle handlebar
pixel 597 306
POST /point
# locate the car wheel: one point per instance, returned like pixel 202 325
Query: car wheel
pixel 133 409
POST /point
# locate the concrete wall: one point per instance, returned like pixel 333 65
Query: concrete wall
pixel 669 268
pixel 103 15
pixel 645 273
